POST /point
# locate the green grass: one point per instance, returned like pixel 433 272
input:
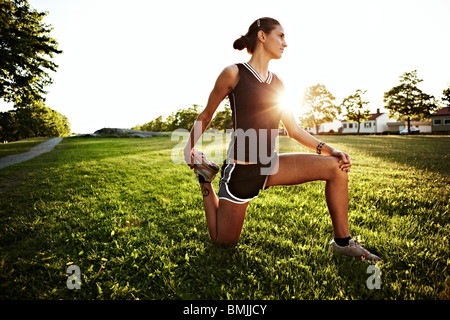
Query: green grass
pixel 134 223
pixel 19 146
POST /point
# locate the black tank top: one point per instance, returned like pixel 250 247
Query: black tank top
pixel 256 112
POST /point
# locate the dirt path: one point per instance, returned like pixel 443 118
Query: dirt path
pixel 41 148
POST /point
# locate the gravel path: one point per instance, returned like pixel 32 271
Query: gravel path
pixel 41 148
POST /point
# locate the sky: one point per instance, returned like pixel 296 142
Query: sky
pixel 128 62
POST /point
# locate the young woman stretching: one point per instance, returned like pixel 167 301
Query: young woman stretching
pixel 252 163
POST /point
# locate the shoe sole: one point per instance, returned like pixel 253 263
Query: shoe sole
pixel 358 258
pixel 362 258
pixel 207 169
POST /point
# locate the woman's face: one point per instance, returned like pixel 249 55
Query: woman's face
pixel 274 42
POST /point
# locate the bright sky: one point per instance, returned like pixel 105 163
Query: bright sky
pixel 127 62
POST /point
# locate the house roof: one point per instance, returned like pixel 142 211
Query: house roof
pixel 373 116
pixel 442 112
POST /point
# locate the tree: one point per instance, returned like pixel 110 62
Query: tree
pixel 223 119
pixel 26 50
pixel 446 96
pixel 354 104
pixel 319 108
pixel 185 118
pixel 406 101
pixel 8 126
pixel 182 118
pixel 156 124
pixel 35 120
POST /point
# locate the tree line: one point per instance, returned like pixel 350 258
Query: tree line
pixel 36 120
pixel 26 53
pixel 185 118
pixel 405 102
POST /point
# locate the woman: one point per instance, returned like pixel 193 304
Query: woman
pixel 252 164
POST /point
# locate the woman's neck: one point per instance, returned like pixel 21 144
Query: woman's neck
pixel 261 64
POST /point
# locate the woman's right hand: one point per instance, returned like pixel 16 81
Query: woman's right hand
pixel 344 160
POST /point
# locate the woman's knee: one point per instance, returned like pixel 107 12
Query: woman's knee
pixel 226 240
pixel 228 236
pixel 334 171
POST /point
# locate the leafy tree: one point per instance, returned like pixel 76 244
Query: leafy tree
pixel 26 50
pixel 407 101
pixel 355 106
pixel 223 120
pixel 55 124
pixel 171 122
pixel 184 118
pixel 36 120
pixel 319 107
pixel 8 126
pixel 156 125
pixel 446 96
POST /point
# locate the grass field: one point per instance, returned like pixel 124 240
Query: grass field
pixel 133 222
pixel 19 146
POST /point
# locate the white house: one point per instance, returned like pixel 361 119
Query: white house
pixel 327 127
pixel 441 121
pixel 397 126
pixel 377 123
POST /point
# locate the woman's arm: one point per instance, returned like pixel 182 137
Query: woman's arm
pixel 225 83
pixel 303 137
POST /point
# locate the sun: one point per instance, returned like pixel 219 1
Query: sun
pixel 291 102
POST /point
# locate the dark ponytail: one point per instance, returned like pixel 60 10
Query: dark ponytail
pixel 240 44
pixel 249 40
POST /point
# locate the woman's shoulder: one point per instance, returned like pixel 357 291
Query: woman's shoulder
pixel 232 70
pixel 228 78
pixel 230 73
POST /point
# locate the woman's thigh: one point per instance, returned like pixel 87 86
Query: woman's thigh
pixel 298 168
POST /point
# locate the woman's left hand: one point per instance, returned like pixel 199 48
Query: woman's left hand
pixel 344 160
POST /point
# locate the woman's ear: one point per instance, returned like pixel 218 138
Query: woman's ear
pixel 261 36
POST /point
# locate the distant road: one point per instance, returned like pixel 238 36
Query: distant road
pixel 41 148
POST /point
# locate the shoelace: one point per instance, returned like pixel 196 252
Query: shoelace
pixel 355 243
pixel 358 245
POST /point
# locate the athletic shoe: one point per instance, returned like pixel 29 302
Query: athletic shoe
pixel 205 170
pixel 354 249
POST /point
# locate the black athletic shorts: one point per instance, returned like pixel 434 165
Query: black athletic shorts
pixel 240 183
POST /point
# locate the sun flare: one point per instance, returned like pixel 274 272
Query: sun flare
pixel 291 102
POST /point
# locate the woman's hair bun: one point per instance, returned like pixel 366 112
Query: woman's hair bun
pixel 240 43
